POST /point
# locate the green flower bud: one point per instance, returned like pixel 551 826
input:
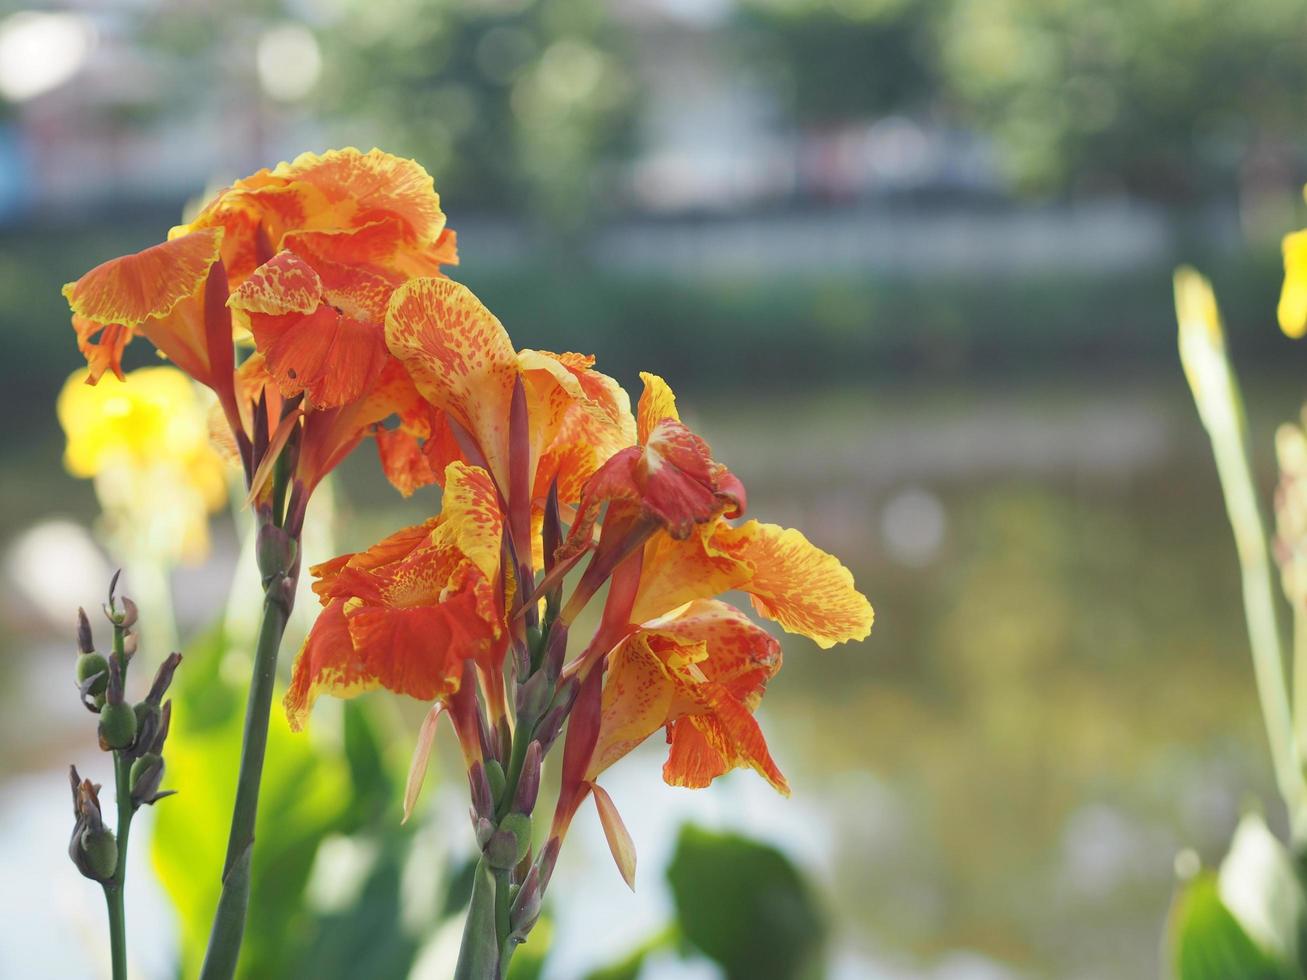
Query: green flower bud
pixel 142 766
pixel 495 774
pixel 100 853
pixel 501 851
pixel 117 726
pixel 90 664
pixel 519 825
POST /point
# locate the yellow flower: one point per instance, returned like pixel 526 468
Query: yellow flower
pixel 1292 310
pixel 145 443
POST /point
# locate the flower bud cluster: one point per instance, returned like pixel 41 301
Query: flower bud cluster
pixel 135 734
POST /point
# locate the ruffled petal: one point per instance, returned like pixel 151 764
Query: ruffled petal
pixel 797 584
pixel 103 352
pixel 699 672
pixel 146 285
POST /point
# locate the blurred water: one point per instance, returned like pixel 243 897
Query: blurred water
pixel 1056 698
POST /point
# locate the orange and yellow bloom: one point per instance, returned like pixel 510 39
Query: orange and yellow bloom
pixel 406 613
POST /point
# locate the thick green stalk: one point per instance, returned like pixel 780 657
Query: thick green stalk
pixel 478 959
pixel 115 887
pixel 229 920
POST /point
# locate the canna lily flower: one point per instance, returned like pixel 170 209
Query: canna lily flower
pixel 677 658
pixel 343 207
pixel 311 252
pixel 408 612
pixel 699 673
pixel 464 365
pixel 668 479
pixel 532 419
pixel 172 294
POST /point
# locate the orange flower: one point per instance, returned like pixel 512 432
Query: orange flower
pixel 172 294
pixel 681 660
pixel 502 409
pixel 407 613
pixel 669 478
pixel 699 673
pixel 464 364
pixel 343 206
pixel 676 658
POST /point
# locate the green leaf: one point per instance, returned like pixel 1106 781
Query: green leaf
pixel 528 962
pixel 367 939
pixel 1207 942
pixel 745 905
pixel 629 966
pixel 1259 885
pixel 305 794
pixel 374 790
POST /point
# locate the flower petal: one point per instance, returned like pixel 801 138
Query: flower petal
pixel 460 358
pixel 657 403
pixel 417 769
pixel 283 284
pixel 619 840
pixel 797 584
pixel 146 285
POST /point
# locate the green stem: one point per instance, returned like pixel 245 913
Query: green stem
pixel 1220 405
pixel 478 958
pixel 521 742
pixel 115 887
pixel 229 920
pixel 503 899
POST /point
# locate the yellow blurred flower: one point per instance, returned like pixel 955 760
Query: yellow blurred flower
pixel 1292 309
pixel 145 443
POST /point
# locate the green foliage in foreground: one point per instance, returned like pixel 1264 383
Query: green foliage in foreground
pixel 310 792
pixel 740 903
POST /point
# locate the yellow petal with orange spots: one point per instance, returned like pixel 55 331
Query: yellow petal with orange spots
pixel 460 358
pixel 283 284
pixel 470 510
pixel 797 584
pixel 676 572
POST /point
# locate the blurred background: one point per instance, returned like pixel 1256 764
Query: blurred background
pixel 907 264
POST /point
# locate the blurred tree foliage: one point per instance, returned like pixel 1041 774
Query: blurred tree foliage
pixel 518 106
pixel 1170 100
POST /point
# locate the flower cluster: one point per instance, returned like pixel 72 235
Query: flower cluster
pixel 302 261
pixel 331 266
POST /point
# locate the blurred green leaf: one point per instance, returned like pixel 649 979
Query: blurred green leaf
pixel 745 905
pixel 366 939
pixel 1207 943
pixel 1259 886
pixel 374 789
pixel 629 967
pixel 528 962
pixel 305 796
